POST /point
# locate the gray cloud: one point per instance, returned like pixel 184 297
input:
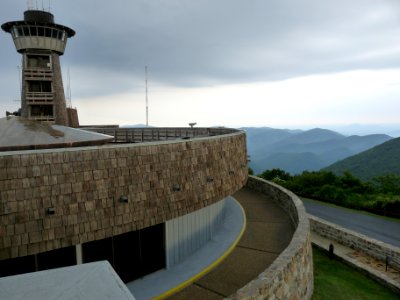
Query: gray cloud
pixel 196 43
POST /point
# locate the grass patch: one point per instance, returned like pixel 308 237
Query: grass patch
pixel 335 280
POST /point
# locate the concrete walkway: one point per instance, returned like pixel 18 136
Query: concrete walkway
pixel 268 232
pixel 364 263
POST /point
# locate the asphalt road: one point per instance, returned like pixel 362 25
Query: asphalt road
pixel 375 227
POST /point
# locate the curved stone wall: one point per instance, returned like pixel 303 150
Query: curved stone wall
pixel 97 192
pixel 291 274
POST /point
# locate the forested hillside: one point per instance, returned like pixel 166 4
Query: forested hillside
pixel 380 160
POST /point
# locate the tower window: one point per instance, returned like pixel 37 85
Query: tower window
pixel 54 33
pixel 47 32
pixel 17 31
pixel 39 86
pixel 38 61
pixel 26 30
pixel 41 110
pixel 40 31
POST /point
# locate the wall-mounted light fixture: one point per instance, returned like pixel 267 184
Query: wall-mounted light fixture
pixel 210 179
pixel 123 199
pixel 50 211
pixel 176 188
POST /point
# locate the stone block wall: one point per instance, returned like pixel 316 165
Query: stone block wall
pixel 291 275
pixel 357 241
pixel 162 181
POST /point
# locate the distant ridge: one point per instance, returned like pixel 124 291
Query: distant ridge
pixel 380 160
pixel 296 150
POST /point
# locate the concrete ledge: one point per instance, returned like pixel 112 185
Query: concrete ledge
pixel 291 274
pixel 357 241
pixel 96 280
pixel 342 254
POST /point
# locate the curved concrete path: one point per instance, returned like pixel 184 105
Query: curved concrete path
pixel 268 232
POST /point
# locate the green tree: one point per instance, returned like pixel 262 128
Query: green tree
pixel 251 171
pixel 275 174
pixel 387 184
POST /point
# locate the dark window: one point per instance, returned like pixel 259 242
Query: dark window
pixel 41 110
pixel 38 61
pixel 133 254
pixel 40 31
pixel 54 33
pixel 34 31
pixel 40 86
pixel 60 35
pixel 34 87
pixel 19 265
pixel 58 258
pixel 26 30
pixel 47 32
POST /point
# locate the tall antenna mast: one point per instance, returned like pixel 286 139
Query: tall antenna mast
pixel 147 101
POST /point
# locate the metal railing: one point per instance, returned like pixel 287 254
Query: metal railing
pixel 141 135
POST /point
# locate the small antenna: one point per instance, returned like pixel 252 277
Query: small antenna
pixel 147 101
pixel 69 102
pixel 20 79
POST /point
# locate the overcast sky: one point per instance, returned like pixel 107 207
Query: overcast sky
pixel 276 63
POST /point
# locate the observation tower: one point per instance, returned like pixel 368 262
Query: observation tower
pixel 41 42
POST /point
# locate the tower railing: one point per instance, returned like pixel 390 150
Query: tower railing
pixel 38 74
pixel 39 97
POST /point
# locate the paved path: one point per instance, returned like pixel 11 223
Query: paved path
pixel 268 232
pixel 378 228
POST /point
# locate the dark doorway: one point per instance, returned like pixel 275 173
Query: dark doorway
pixel 152 248
pixel 127 256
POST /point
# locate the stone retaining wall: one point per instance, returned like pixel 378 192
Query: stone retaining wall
pixel 159 181
pixel 291 275
pixel 357 241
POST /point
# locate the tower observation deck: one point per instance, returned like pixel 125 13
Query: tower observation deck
pixel 41 42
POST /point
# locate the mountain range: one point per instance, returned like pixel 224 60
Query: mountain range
pixel 297 150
